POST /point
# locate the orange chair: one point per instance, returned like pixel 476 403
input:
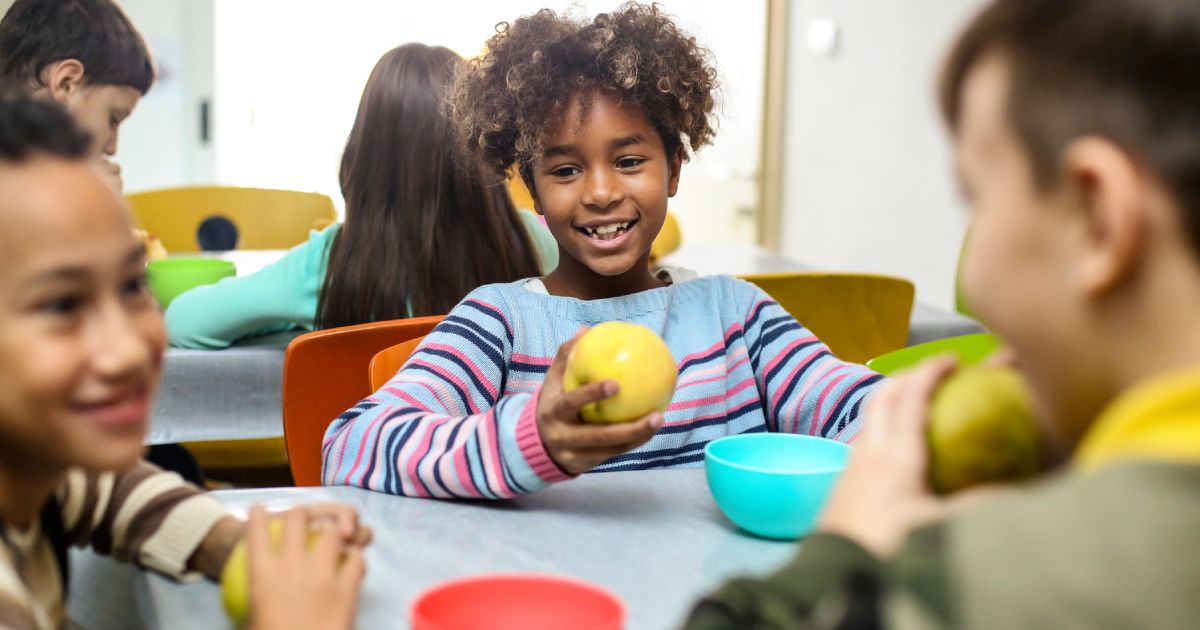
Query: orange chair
pixel 324 374
pixel 386 363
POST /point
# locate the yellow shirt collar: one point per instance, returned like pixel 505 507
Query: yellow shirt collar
pixel 1156 420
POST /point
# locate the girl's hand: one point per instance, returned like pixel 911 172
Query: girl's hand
pixel 574 445
pixel 884 493
pixel 293 586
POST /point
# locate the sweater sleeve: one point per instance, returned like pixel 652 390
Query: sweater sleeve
pixel 279 297
pixel 544 244
pixel 440 427
pixel 806 389
pixel 835 583
pixel 144 514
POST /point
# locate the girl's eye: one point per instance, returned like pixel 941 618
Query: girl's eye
pixel 565 171
pixel 630 162
pixel 61 305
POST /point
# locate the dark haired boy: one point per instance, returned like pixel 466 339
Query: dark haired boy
pixel 1077 134
pixel 83 54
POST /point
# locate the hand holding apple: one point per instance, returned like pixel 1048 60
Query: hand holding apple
pixel 577 446
pixel 301 567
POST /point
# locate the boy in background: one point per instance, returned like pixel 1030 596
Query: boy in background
pixel 83 54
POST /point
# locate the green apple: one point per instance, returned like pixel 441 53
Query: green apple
pixel 235 576
pixel 982 429
pixel 633 356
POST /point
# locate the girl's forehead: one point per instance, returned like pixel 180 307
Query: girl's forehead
pixel 597 115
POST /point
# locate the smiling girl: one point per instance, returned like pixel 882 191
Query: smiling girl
pixel 598 116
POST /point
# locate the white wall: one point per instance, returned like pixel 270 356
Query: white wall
pixel 868 183
pixel 159 145
pixel 289 75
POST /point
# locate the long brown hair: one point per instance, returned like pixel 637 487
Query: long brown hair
pixel 425 225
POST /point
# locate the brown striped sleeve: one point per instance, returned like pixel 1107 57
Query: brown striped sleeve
pixel 15 613
pixel 144 514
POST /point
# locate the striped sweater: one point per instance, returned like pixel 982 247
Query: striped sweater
pixel 458 420
pixel 144 514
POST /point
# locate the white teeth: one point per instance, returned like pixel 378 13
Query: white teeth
pixel 605 230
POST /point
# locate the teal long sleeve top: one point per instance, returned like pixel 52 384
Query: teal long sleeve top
pixel 283 295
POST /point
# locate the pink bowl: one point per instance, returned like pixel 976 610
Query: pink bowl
pixel 517 602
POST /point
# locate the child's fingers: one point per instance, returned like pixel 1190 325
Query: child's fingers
pixel 295 530
pixel 363 536
pixel 351 571
pixel 570 403
pixel 1004 357
pixel 258 541
pixel 914 398
pixel 342 517
pixel 326 551
pixel 610 435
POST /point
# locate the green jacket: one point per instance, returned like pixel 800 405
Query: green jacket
pixel 283 295
pixel 1110 544
pixel 1115 549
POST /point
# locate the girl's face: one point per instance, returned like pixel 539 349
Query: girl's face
pixel 81 339
pixel 602 182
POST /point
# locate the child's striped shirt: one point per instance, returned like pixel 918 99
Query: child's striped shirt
pixel 458 420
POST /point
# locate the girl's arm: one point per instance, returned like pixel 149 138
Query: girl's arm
pixel 440 427
pixel 805 388
pixel 279 297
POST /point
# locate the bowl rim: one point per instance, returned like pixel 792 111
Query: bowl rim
pixel 172 261
pixel 708 454
pixel 622 614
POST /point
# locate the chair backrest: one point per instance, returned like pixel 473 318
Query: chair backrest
pixel 858 316
pixel 324 374
pixel 261 218
pixel 387 362
pixel 969 348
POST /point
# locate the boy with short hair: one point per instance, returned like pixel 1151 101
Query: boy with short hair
pixel 1077 136
pixel 83 54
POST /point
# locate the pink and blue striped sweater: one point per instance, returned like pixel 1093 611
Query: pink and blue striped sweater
pixel 458 419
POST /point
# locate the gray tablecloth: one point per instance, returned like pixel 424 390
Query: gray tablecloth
pixel 655 538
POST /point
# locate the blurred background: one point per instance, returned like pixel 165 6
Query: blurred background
pixel 829 150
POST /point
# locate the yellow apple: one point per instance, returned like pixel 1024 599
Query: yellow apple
pixel 982 429
pixel 235 576
pixel 633 356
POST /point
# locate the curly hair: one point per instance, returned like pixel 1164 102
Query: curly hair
pixel 505 101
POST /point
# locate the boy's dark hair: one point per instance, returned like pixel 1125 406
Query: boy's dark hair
pixel 30 125
pixel 1127 70
pixel 505 100
pixel 37 33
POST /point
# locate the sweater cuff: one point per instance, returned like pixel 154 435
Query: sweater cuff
pixel 182 531
pixel 529 440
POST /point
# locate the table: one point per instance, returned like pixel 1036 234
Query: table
pixel 928 323
pixel 655 538
pixel 235 393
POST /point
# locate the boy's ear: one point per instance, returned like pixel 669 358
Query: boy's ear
pixel 1109 191
pixel 63 78
pixel 676 166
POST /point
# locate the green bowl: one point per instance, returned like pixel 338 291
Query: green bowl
pixel 172 276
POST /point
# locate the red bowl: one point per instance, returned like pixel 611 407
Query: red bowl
pixel 517 602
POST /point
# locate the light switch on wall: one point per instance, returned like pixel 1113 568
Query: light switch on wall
pixel 823 37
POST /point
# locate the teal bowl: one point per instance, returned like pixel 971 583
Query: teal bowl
pixel 171 276
pixel 773 485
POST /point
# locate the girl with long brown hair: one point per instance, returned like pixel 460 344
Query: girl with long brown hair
pixel 424 225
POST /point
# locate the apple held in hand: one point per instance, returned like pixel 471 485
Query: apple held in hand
pixel 235 577
pixel 982 429
pixel 633 356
